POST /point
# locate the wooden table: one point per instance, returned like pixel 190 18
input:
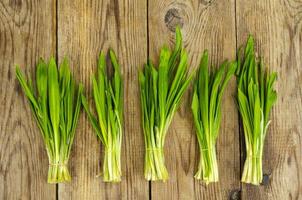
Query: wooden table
pixel 136 29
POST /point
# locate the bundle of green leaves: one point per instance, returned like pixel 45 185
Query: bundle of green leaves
pixel 161 90
pixel 56 106
pixel 108 100
pixel 255 97
pixel 206 108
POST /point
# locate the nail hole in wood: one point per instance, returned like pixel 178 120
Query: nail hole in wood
pixel 235 194
pixel 206 2
pixel 289 160
pixel 265 179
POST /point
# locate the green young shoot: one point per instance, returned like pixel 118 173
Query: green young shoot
pixel 161 90
pixel 108 100
pixel 206 109
pixel 56 106
pixel 255 99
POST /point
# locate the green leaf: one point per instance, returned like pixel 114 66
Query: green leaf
pixel 41 80
pixel 92 119
pixel 100 86
pixel 163 81
pixel 102 113
pixel 75 118
pixel 65 76
pixel 203 88
pixel 26 89
pixel 54 95
pixel 176 52
pixel 178 79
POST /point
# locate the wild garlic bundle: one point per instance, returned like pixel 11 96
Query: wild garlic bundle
pixel 108 100
pixel 56 106
pixel 161 90
pixel 206 107
pixel 255 97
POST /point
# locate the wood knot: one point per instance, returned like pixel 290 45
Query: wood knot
pixel 16 5
pixel 173 18
pixel 19 11
pixel 235 194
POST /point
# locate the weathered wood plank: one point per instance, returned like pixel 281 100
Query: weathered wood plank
pixel 24 27
pixel 211 25
pixel 276 26
pixel 84 29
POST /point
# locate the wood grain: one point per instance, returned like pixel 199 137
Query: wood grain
pixel 276 26
pixel 135 29
pixel 205 25
pixel 24 25
pixel 96 26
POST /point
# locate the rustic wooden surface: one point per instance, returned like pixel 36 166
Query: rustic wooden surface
pixel 136 29
pixel 27 31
